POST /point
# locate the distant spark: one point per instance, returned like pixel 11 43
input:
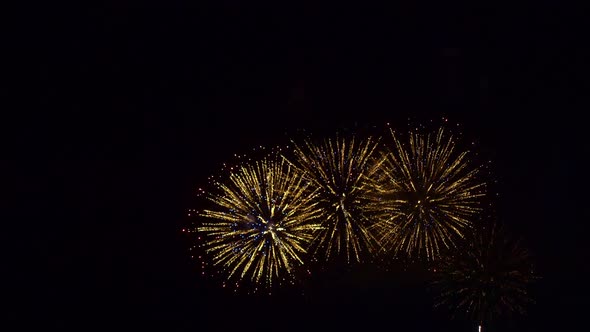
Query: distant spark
pixel 487 277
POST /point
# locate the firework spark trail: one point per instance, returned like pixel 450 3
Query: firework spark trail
pixel 262 223
pixel 339 168
pixel 487 278
pixel 426 193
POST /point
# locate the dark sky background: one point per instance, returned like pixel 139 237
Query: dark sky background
pixel 141 104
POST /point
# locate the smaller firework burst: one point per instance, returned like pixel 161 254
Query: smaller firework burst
pixel 339 169
pixel 486 278
pixel 262 220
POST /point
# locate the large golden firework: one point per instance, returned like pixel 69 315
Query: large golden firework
pixel 262 223
pixel 487 278
pixel 340 169
pixel 427 193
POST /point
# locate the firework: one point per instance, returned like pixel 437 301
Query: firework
pixel 427 193
pixel 262 222
pixel 340 169
pixel 487 278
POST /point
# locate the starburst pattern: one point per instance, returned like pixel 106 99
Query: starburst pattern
pixel 488 277
pixel 427 193
pixel 340 169
pixel 262 221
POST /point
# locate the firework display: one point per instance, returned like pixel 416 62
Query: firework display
pixel 416 197
pixel 340 170
pixel 263 220
pixel 487 278
pixel 427 194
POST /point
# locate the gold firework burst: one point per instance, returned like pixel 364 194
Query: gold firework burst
pixel 427 191
pixel 340 169
pixel 263 220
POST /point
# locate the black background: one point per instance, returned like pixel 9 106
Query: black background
pixel 133 107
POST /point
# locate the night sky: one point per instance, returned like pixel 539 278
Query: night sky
pixel 134 107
